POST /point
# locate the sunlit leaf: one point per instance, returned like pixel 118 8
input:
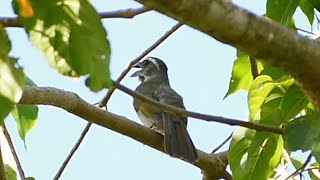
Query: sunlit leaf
pixel 72 38
pixel 10 173
pixel 11 77
pixel 258 92
pixel 25 117
pixel 241 77
pixel 281 10
pixel 254 155
pixel 314 171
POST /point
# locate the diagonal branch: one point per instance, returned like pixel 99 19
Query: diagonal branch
pixel 125 13
pixel 143 54
pixel 71 102
pixel 13 151
pixel 209 118
pixel 106 98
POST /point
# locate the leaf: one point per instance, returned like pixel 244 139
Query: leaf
pixel 281 10
pixel 316 4
pixel 274 72
pixel 72 38
pixel 241 77
pixel 308 9
pixel 25 117
pixel 297 162
pixel 303 133
pixel 258 92
pixel 293 102
pixel 25 8
pixel 314 172
pixel 254 155
pixel 10 173
pixel 11 78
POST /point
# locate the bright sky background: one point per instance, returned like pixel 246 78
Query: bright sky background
pixel 199 69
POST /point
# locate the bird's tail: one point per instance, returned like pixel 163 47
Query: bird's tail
pixel 177 140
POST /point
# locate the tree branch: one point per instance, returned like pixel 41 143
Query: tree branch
pixel 209 118
pixel 254 67
pixel 212 164
pixel 13 152
pixel 104 101
pixel 3 175
pixel 125 13
pixel 256 35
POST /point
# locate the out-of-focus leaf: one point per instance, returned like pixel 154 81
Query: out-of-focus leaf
pixel 293 102
pixel 254 155
pixel 11 77
pixel 297 162
pixel 30 178
pixel 258 92
pixel 72 38
pixel 314 172
pixel 281 10
pixel 308 9
pixel 316 4
pixel 241 77
pixel 10 173
pixel 25 116
pixel 25 8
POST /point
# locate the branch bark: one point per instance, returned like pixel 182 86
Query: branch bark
pixel 256 35
pixel 211 164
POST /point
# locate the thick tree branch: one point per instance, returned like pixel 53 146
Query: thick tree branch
pixel 125 13
pixel 212 164
pixel 210 118
pixel 256 35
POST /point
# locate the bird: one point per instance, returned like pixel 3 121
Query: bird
pixel 155 84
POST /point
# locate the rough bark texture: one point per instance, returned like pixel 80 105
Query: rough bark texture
pixel 213 164
pixel 256 35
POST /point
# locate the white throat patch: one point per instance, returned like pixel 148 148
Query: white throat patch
pixel 154 62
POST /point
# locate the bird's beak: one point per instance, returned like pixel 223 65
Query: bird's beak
pixel 137 73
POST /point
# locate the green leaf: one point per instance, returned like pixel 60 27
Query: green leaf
pixel 274 72
pixel 11 78
pixel 297 162
pixel 25 116
pixel 308 9
pixel 293 102
pixel 303 134
pixel 316 4
pixel 72 38
pixel 254 155
pixel 259 90
pixel 10 173
pixel 241 77
pixel 282 10
pixel 30 178
pixel 314 171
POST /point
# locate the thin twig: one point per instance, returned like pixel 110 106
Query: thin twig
pixel 13 151
pixel 222 144
pixel 126 13
pixel 254 67
pixel 104 101
pixel 301 168
pixel 73 150
pixel 305 31
pixel 206 117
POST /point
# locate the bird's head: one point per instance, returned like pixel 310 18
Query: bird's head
pixel 151 68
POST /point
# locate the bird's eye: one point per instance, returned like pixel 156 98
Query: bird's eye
pixel 145 62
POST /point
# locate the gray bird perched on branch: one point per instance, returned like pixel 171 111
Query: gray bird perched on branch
pixel 155 84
